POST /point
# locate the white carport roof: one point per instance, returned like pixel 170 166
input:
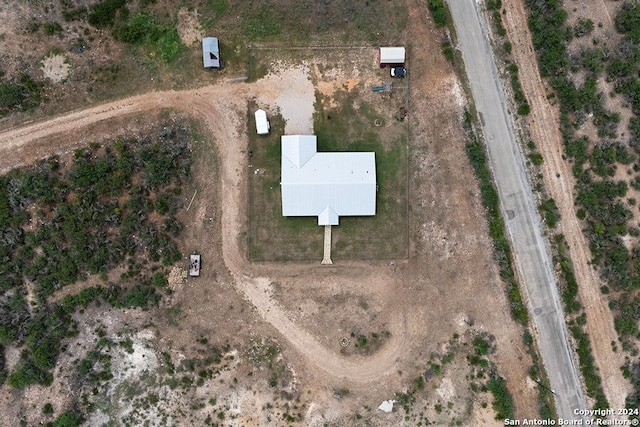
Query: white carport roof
pixel 326 185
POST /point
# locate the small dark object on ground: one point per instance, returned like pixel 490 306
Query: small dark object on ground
pixel 167 132
pixel 402 113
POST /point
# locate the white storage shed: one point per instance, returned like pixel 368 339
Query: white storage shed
pixel 262 122
pixel 391 56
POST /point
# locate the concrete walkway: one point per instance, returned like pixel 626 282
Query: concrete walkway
pixel 326 259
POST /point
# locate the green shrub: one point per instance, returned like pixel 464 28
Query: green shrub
pixel 508 47
pixel 103 14
pixel 47 409
pixel 502 400
pixel 26 373
pixel 439 12
pixel 524 109
pixel 550 212
pixel 626 325
pixel 170 45
pixel 448 51
pixel 68 419
pixel 570 291
pixel 33 26
pixel 628 21
pixel 481 346
pixel 23 95
pixel 140 28
pixel 361 341
pixel 494 5
pixel 549 34
pixel 51 28
pixel 10 96
pixel 74 14
pixel 583 27
pixel 497 19
pixel 592 380
pixel 536 158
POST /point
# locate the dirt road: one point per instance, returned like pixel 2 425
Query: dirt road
pixel 531 255
pixel 558 180
pixel 218 107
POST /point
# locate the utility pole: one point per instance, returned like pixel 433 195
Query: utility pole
pixel 545 387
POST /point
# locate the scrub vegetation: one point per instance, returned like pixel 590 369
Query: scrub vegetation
pixel 605 197
pixel 111 208
pixel 469 354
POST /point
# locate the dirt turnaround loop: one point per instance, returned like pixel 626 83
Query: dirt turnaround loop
pixel 442 290
pixel 212 105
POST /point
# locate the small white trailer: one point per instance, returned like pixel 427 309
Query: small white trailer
pixel 194 265
pixel 262 122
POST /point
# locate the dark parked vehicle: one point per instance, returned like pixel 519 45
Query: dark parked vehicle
pixel 398 72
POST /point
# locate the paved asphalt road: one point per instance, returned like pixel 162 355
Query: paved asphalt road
pixel 523 222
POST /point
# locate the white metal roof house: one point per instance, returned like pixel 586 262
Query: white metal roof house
pixel 262 123
pixel 210 52
pixel 327 185
pixel 391 56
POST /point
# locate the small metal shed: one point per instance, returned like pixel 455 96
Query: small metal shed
pixel 262 123
pixel 210 52
pixel 391 56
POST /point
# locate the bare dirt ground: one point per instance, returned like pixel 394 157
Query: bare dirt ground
pixel 189 28
pixel 543 123
pixel 55 68
pixel 444 288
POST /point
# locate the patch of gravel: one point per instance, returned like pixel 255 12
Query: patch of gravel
pixel 446 390
pixel 176 278
pixel 295 96
pixel 55 68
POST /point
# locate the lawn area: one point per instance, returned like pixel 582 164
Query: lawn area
pixel 353 119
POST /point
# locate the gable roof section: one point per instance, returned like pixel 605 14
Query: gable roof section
pixel 210 52
pixel 327 185
pixel 328 217
pixel 298 149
